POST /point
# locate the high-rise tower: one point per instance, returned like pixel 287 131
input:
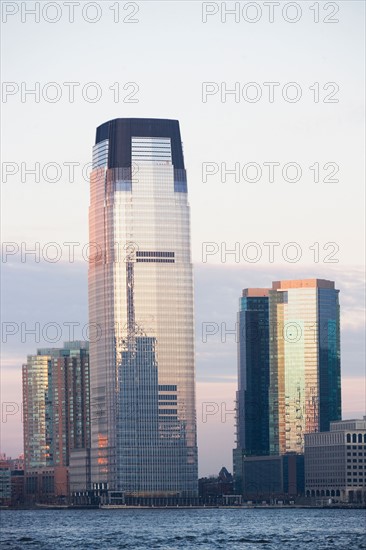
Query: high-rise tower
pixel 253 372
pixel 305 375
pixel 288 367
pixel 143 423
pixel 56 404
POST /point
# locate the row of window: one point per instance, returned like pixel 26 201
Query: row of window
pixel 355 454
pixel 152 254
pixel 356 438
pixel 323 493
pixel 167 397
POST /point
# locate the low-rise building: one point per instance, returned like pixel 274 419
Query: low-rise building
pixel 274 477
pixel 17 487
pixel 212 490
pixel 11 481
pixel 335 462
pixel 5 484
pixel 46 485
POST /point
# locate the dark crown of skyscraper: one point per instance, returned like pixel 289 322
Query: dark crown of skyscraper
pixel 120 131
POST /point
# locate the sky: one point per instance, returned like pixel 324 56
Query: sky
pixel 271 117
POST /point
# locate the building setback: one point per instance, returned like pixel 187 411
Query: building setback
pixel 143 423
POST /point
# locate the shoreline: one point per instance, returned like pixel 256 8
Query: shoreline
pixel 110 507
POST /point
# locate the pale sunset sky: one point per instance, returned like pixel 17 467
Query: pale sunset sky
pixel 159 67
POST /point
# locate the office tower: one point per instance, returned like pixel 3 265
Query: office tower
pixel 253 372
pixel 143 425
pixel 252 414
pixel 56 404
pixel 288 366
pixel 305 378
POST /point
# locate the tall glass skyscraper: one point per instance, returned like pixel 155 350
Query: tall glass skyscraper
pixel 288 367
pixel 252 421
pixel 253 372
pixel 143 422
pixel 305 376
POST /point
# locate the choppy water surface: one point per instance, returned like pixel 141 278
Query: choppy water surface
pixel 174 529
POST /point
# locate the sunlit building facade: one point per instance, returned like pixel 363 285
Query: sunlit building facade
pixel 305 378
pixel 288 368
pixel 56 404
pixel 70 401
pixel 37 412
pixel 143 424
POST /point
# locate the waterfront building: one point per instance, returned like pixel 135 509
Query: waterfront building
pixel 335 462
pixel 143 420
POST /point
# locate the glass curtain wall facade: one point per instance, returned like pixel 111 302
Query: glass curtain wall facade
pixel 289 378
pixel 143 423
pixel 37 412
pixel 305 391
pixel 252 421
pixel 253 373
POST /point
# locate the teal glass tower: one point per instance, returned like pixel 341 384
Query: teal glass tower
pixel 253 373
pixel 289 376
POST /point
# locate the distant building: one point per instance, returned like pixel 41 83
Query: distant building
pixel 17 487
pixel 335 462
pixel 79 471
pixel 5 483
pixel 272 477
pixel 213 489
pixel 46 485
pixel 11 481
pixel 37 412
pixel 252 436
pixel 70 400
pixel 253 372
pixel 305 376
pixel 288 367
pixel 56 406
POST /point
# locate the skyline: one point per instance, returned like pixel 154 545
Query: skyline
pixel 214 132
pixel 216 360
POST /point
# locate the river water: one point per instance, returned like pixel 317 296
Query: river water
pixel 229 529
